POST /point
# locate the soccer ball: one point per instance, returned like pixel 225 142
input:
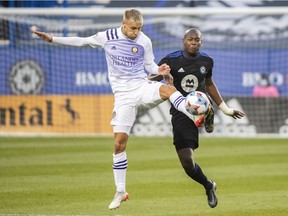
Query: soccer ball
pixel 196 103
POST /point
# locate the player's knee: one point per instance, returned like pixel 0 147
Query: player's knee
pixel 119 147
pixel 166 91
pixel 188 164
pixel 120 144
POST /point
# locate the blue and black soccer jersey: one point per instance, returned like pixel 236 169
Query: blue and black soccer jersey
pixel 189 74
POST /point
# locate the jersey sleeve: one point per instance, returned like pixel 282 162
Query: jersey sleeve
pixel 149 63
pixel 72 41
pixel 148 53
pixel 164 60
pixel 151 68
pixel 210 70
pixel 93 41
pixel 98 39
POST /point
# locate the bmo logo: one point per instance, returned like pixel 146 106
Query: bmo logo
pixel 249 79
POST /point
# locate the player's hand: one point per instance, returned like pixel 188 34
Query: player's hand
pixel 237 114
pixel 164 69
pixel 44 36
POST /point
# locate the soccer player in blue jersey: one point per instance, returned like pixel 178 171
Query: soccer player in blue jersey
pixel 128 54
pixel 192 71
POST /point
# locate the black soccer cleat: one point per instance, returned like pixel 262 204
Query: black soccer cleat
pixel 209 120
pixel 211 195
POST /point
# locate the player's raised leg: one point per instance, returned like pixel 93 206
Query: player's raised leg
pixel 176 98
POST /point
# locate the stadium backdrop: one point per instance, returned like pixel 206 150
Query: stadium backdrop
pixel 66 97
pixel 50 88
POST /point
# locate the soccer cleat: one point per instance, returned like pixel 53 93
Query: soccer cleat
pixel 211 195
pixel 199 121
pixel 209 120
pixel 118 198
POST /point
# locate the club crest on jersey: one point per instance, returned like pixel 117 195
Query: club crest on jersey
pixel 203 69
pixel 134 50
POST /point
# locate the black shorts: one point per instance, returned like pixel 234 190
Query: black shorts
pixel 185 133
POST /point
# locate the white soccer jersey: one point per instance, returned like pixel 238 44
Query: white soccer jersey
pixel 126 58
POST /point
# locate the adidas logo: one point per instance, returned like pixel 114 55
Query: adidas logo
pixel 113 48
pixel 181 70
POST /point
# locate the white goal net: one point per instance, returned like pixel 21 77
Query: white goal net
pixel 45 88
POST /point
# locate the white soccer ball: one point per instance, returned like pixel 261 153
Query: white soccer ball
pixel 197 103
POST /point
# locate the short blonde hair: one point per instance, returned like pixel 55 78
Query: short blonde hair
pixel 133 14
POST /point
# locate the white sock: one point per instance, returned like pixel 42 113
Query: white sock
pixel 178 101
pixel 120 165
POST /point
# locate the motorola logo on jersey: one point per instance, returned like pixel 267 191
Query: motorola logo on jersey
pixel 189 83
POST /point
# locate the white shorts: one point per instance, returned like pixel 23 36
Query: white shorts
pixel 127 104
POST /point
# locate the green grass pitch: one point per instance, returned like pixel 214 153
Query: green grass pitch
pixel 73 176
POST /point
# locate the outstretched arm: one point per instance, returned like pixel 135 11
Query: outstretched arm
pixel 212 90
pixel 69 41
pixel 44 36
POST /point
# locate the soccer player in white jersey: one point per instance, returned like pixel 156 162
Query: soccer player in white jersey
pixel 128 54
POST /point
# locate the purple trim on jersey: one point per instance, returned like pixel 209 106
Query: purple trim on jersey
pixel 178 100
pixel 111 32
pixel 116 34
pixel 107 35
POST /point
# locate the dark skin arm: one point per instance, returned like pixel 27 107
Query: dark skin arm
pixel 158 77
pixel 212 90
